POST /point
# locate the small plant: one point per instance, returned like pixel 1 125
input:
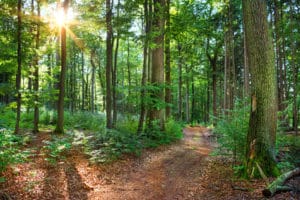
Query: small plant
pixel 109 145
pixel 232 132
pixel 56 147
pixel 10 152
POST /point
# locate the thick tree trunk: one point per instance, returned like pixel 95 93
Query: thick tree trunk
pixel 18 76
pixel 262 127
pixel 109 44
pixel 156 112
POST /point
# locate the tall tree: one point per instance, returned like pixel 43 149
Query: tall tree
pixel 168 97
pixel 145 65
pixel 109 51
pixel 60 104
pixel 262 127
pixel 36 74
pixel 19 70
pixel 229 77
pixel 156 111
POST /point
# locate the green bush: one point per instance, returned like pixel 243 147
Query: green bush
pixel 232 132
pixel 288 148
pixel 84 120
pixel 10 152
pixel 111 144
pixel 55 148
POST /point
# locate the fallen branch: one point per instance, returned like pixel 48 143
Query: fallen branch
pixel 278 184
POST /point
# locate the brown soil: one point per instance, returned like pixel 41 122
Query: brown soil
pixel 183 170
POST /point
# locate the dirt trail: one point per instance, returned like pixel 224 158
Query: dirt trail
pixel 173 173
pixel 182 171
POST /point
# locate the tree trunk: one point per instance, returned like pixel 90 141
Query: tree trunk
pixel 279 60
pixel 179 82
pixel 168 97
pixel 109 43
pixel 18 76
pixel 156 112
pixel 128 68
pixel 187 95
pixel 60 105
pixel 114 83
pixel 229 78
pixel 93 81
pixel 295 69
pixel 246 70
pixel 144 73
pixel 262 127
pixel 36 75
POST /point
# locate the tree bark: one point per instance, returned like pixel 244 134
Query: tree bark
pixel 144 73
pixel 168 97
pixel 262 126
pixel 60 105
pixel 36 75
pixel 109 43
pixel 229 78
pixel 18 76
pixel 295 70
pixel 179 82
pixel 156 111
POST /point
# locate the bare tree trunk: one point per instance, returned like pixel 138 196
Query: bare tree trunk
pixel 179 82
pixel 295 69
pixel 168 97
pixel 36 76
pixel 144 74
pixel 18 76
pixel 187 96
pixel 109 44
pixel 156 113
pixel 261 137
pixel 60 105
pixel 93 81
pixel 229 78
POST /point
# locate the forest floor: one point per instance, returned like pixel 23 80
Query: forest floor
pixel 183 170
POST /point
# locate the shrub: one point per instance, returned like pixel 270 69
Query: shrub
pixel 10 152
pixel 232 132
pixel 111 144
pixel 55 148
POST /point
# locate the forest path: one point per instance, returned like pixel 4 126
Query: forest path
pixel 176 172
pixel 183 171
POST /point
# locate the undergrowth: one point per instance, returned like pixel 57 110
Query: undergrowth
pixel 10 149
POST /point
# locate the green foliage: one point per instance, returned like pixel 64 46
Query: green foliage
pixel 10 151
pixel 84 120
pixel 288 148
pixel 55 148
pixel 156 137
pixel 232 132
pixel 111 144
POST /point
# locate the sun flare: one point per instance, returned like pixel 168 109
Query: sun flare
pixel 61 19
